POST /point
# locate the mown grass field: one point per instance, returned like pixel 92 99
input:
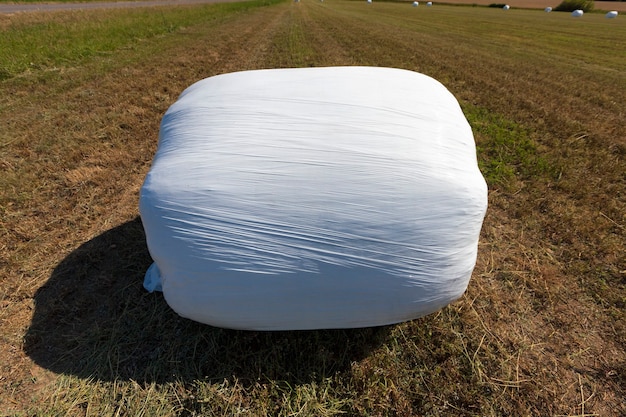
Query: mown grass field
pixel 540 332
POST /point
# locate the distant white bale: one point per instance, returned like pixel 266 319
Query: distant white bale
pixel 611 15
pixel 547 9
pixel 416 3
pixel 430 3
pixel 313 198
pixel 577 13
pixel 369 1
pixel 506 7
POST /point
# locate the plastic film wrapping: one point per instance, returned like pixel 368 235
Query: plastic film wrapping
pixel 313 198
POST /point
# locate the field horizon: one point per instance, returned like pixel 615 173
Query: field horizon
pixel 541 330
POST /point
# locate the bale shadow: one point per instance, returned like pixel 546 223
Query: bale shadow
pixel 93 319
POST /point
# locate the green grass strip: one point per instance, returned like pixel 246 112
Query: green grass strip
pixel 68 39
pixel 506 150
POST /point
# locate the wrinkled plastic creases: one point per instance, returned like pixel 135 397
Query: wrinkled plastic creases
pixel 313 198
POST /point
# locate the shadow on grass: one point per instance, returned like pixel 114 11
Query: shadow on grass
pixel 93 319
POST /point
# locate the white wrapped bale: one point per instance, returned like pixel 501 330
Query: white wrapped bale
pixel 577 13
pixel 415 4
pixel 313 198
pixel 547 9
pixel 611 15
pixel 430 3
pixel 506 7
